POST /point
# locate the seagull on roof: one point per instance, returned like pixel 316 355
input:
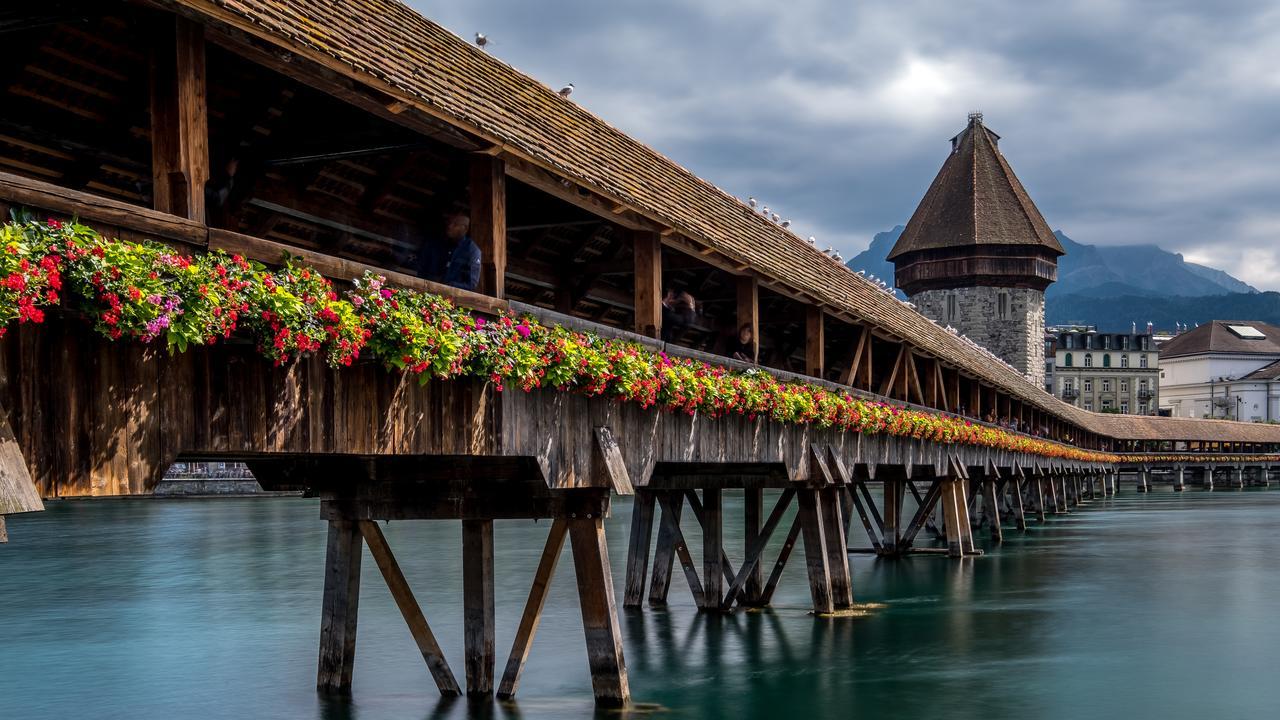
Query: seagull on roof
pixel 752 202
pixel 786 223
pixel 566 91
pixel 862 272
pixel 837 257
pixel 813 240
pixel 765 211
pixel 481 40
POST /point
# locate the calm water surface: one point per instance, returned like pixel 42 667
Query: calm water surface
pixel 1145 606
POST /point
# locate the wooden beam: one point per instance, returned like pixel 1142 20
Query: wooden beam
pixel 886 389
pixel 599 612
pixel 572 193
pixel 811 518
pixel 477 605
pixel 851 373
pixel 608 462
pixel 814 341
pixel 638 547
pixel 340 608
pixel 179 119
pixel 532 615
pixel 489 222
pixel 409 608
pixel 648 290
pixel 712 548
pixel 751 562
pixel 18 492
pixel 665 552
pixel 915 378
pixel 749 311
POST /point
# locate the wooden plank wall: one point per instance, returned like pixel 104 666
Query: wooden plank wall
pixel 95 417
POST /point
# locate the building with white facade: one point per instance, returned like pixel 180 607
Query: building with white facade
pixel 1107 372
pixel 1223 369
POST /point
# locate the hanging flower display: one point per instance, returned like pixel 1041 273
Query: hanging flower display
pixel 147 291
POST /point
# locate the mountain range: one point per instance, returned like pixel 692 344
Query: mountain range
pixel 1117 286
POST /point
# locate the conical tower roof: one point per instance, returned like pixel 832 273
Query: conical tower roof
pixel 975 200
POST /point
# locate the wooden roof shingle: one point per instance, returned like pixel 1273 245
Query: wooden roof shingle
pixel 975 200
pixel 393 49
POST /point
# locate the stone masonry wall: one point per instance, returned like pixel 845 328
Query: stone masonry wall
pixel 1018 339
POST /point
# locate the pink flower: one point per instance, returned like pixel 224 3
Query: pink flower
pixel 523 329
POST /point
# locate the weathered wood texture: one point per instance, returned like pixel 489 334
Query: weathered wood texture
pixel 340 608
pixel 17 491
pixel 123 412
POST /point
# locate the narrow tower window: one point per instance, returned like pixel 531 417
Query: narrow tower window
pixel 1002 305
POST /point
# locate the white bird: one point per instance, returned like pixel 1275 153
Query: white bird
pixel 862 272
pixel 775 217
pixel 838 258
pixel 481 40
pixel 752 202
pixel 813 240
pixel 872 278
pixel 566 91
pixel 786 223
pixel 829 250
pixel 765 211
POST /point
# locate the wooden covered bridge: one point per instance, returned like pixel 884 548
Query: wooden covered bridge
pixel 340 134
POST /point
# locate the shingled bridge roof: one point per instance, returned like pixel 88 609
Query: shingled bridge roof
pixel 390 47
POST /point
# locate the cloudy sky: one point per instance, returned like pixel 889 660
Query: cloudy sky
pixel 1128 122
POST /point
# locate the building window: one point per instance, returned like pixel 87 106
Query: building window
pixel 1124 361
pixel 1142 385
pixel 1106 342
pixel 1124 407
pixel 953 308
pixel 1066 360
pixel 1142 360
pixel 1124 386
pixel 1142 408
pixel 1088 359
pixel 1088 386
pixel 1106 404
pixel 1106 386
pixel 1124 342
pixel 1088 405
pixel 1002 305
pixel 1106 360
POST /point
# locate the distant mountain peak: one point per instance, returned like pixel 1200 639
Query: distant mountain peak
pixel 1139 274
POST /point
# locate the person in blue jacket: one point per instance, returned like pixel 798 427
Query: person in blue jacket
pixel 455 259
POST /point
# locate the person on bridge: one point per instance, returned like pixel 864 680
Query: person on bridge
pixel 743 346
pixel 454 260
pixel 678 312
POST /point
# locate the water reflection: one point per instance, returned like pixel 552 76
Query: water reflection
pixel 144 609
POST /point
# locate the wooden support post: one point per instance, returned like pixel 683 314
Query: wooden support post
pixel 992 504
pixel 780 563
pixel 836 546
pixel 921 518
pixel 1239 478
pixel 753 512
pixel 749 311
pixel 712 548
pixel 1179 483
pixel 814 341
pixel 340 608
pixel 409 608
pixel 1015 500
pixel 665 553
pixel 815 550
pixel 1059 503
pixel 489 221
pixel 599 613
pixel 1037 490
pixel 671 502
pixel 872 533
pixel 954 512
pixel 179 119
pixel 477 605
pixel 532 615
pixel 638 551
pixel 648 285
pixel 751 561
pixel 1075 491
pixel 894 493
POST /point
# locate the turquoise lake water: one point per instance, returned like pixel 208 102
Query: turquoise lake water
pixel 1143 606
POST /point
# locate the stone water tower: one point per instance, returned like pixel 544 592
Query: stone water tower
pixel 977 255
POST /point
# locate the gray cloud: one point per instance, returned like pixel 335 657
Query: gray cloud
pixel 1129 122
